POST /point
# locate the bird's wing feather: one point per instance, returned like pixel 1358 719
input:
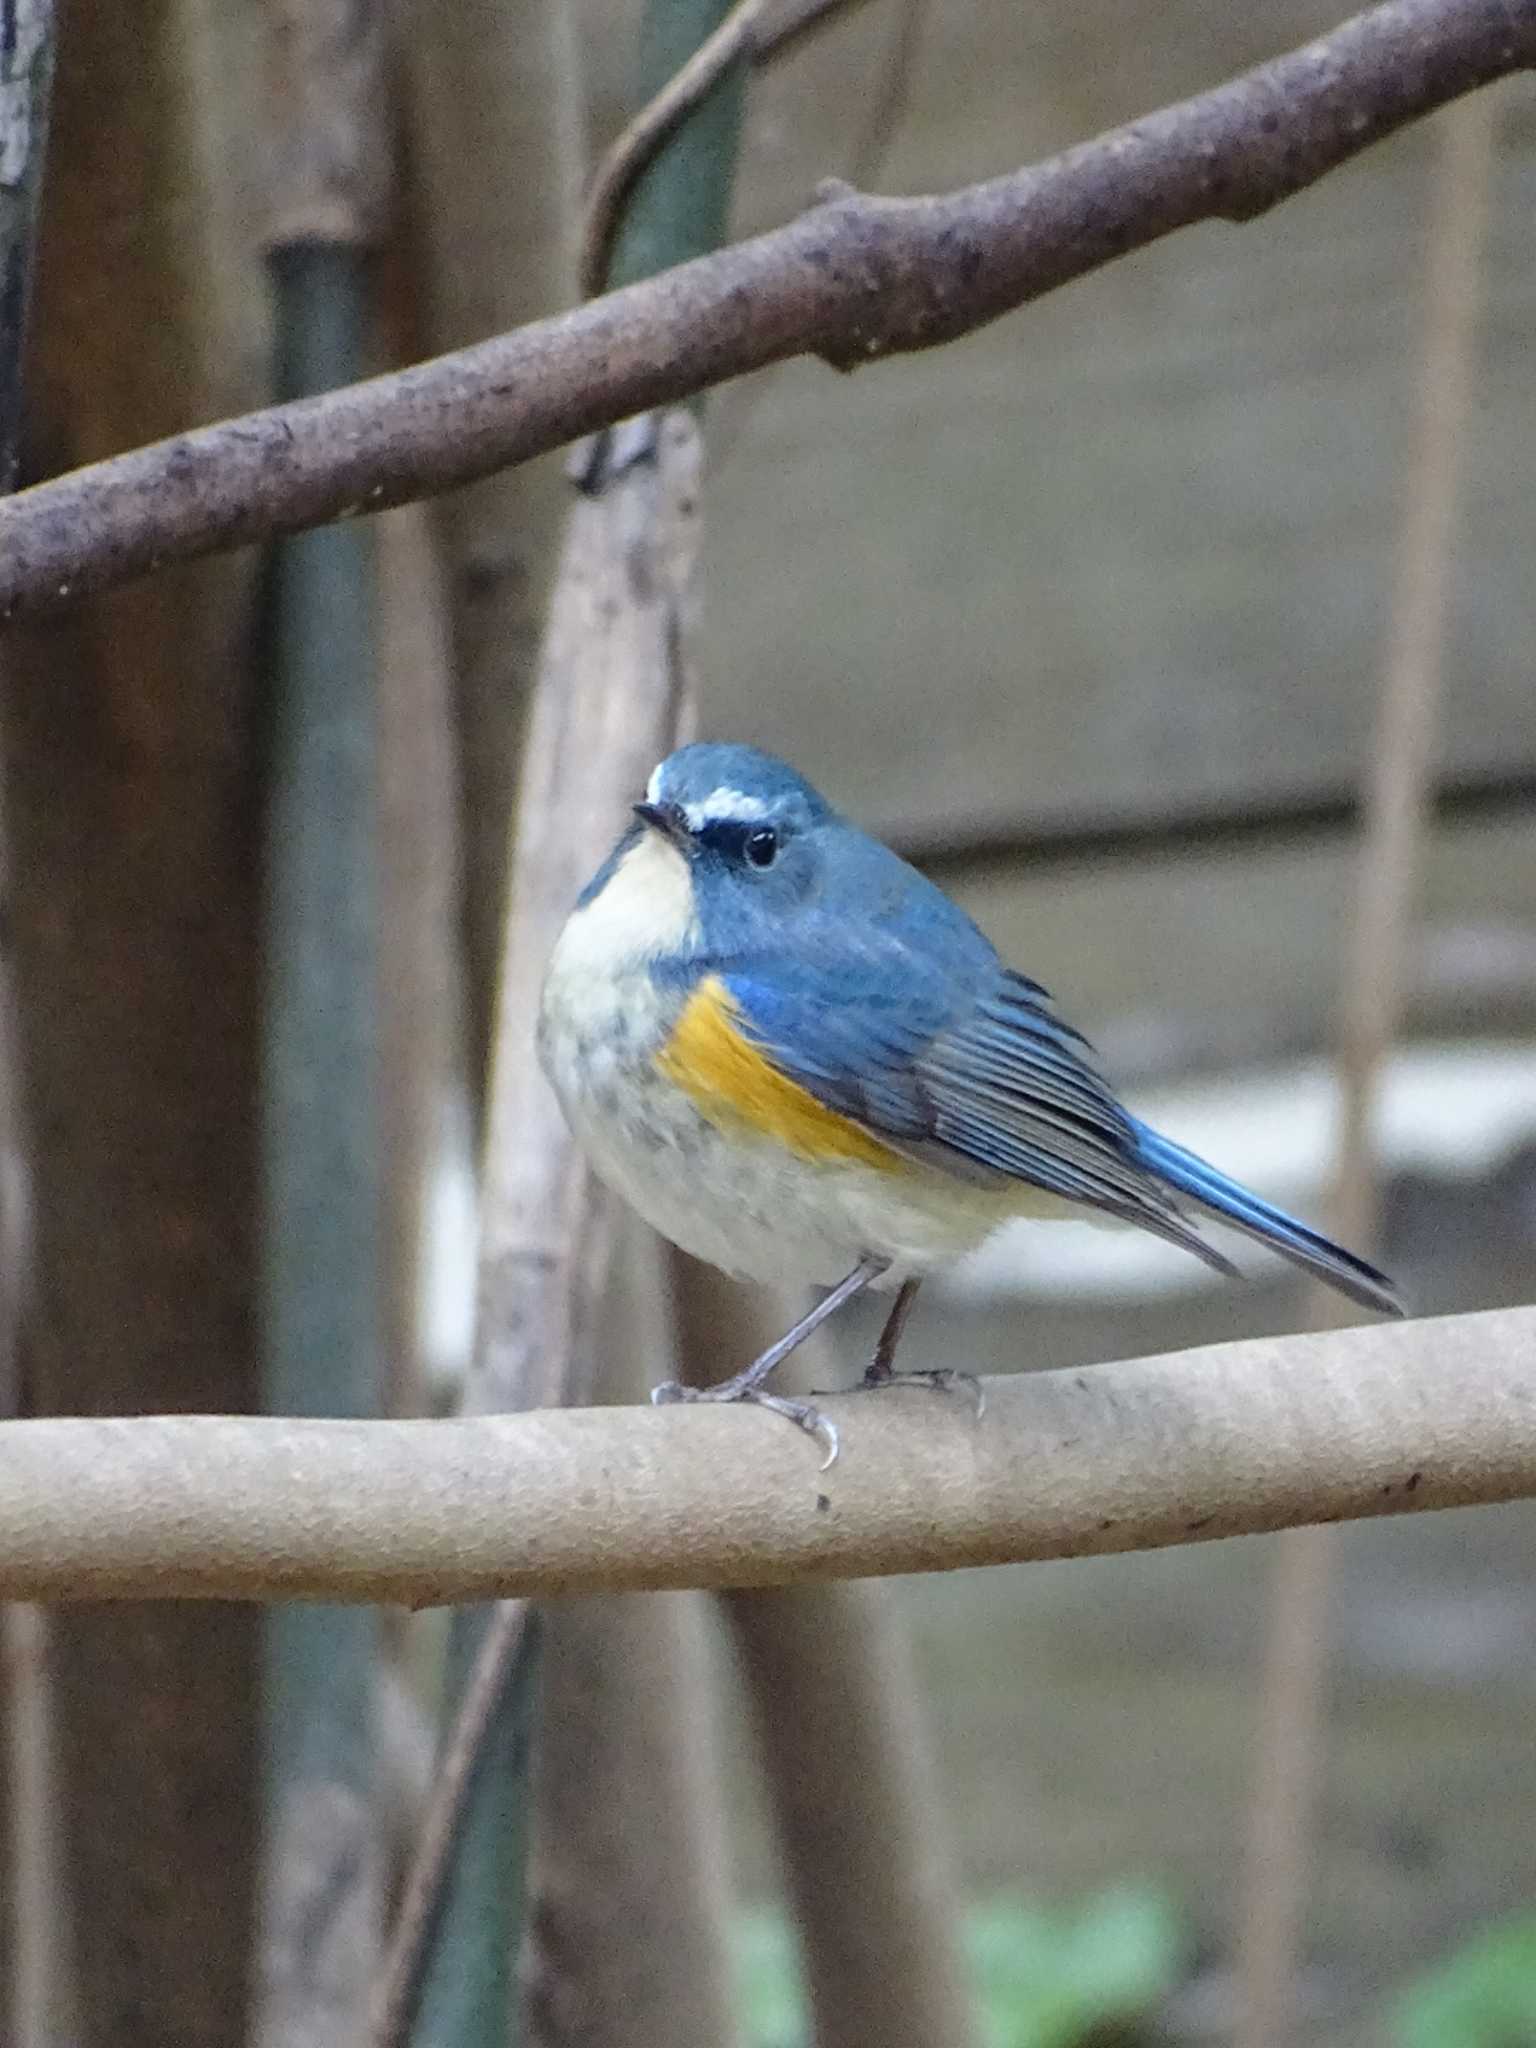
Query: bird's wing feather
pixel 972 1071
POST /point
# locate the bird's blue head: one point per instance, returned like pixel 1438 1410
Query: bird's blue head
pixel 725 843
pixel 733 856
pixel 736 815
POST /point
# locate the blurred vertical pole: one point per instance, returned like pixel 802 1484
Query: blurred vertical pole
pixel 626 1940
pixel 606 703
pixel 629 1886
pixel 1394 817
pixel 322 1296
pixel 26 86
pixel 26 89
pixel 495 153
pixel 420 1021
pixel 494 117
pixel 863 1837
pixel 131 918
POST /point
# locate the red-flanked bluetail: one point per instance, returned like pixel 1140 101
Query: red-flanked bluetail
pixel 800 1061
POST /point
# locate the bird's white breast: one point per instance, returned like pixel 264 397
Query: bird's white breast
pixel 602 1016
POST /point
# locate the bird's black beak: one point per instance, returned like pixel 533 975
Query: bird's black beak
pixel 668 819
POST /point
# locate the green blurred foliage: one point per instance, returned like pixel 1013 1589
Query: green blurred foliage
pixel 1044 1978
pixel 1483 1997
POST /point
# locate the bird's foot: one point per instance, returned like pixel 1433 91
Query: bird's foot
pixel 804 1414
pixel 942 1380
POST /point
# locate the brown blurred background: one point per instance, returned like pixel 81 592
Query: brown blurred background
pixel 1089 613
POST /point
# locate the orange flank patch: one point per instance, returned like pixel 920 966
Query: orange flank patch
pixel 737 1087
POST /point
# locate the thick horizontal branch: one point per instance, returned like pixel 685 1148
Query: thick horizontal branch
pixel 1220 1442
pixel 852 279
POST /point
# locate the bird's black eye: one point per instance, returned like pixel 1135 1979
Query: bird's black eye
pixel 762 846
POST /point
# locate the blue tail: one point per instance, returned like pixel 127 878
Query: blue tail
pixel 1245 1211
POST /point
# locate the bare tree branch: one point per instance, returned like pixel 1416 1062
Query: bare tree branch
pixel 853 279
pixel 1266 1434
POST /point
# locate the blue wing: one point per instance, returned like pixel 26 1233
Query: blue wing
pixel 948 1055
pixel 938 1048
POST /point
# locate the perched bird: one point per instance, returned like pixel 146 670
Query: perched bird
pixel 800 1061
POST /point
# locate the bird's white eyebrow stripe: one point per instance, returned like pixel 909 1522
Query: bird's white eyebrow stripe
pixel 653 787
pixel 723 804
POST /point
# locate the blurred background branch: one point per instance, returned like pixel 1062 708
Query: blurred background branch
pixel 495 101
pixel 1374 982
pixel 853 279
pixel 863 1839
pixel 132 912
pixel 26 86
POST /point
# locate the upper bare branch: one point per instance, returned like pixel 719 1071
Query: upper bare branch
pixel 853 279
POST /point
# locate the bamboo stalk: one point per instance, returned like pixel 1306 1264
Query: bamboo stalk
pixel 26 90
pixel 322 1193
pixel 625 1941
pixel 322 1164
pixel 605 703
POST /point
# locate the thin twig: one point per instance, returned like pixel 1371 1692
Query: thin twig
pixel 1396 812
pixel 400 1977
pixel 854 279
pixel 753 32
pixel 734 41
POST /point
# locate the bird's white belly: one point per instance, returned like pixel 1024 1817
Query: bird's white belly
pixel 746 1204
pixel 756 1209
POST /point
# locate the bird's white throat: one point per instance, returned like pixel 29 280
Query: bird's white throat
pixel 598 989
pixel 644 912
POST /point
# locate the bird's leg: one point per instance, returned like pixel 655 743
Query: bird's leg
pixel 747 1385
pixel 881 1366
pixel 881 1371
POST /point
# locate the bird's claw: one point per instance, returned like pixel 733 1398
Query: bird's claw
pixel 802 1413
